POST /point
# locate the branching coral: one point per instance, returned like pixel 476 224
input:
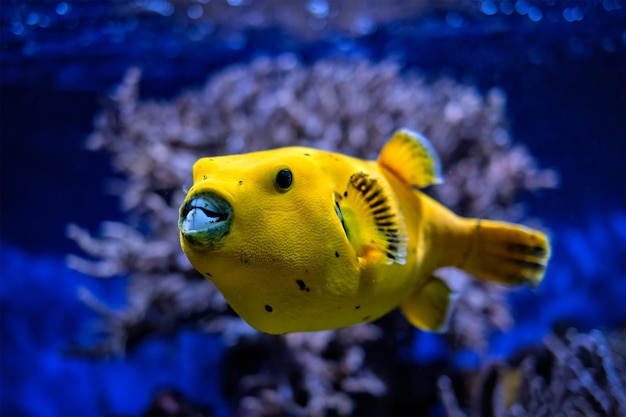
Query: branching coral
pixel 311 374
pixel 578 375
pixel 350 106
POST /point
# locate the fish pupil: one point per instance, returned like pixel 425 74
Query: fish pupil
pixel 284 178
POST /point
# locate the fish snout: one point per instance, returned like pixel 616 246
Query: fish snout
pixel 204 218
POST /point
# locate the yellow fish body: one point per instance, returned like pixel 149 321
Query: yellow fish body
pixel 299 239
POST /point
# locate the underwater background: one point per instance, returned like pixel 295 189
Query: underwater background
pixel 82 76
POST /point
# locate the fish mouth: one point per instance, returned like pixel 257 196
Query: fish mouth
pixel 204 219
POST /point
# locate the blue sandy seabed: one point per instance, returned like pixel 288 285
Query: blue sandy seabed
pixel 572 60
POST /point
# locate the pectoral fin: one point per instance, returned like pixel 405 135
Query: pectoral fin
pixel 372 221
pixel 429 307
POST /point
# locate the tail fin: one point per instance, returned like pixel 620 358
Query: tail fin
pixel 506 253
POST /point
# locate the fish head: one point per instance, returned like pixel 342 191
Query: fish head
pixel 259 225
pixel 255 197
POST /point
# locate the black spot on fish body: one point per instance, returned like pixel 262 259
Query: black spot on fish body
pixel 345 193
pixel 357 307
pixel 336 254
pixel 366 318
pixel 240 182
pixel 307 154
pixel 245 257
pixel 209 274
pixel 268 308
pixel 302 285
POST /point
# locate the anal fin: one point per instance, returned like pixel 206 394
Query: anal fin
pixel 429 307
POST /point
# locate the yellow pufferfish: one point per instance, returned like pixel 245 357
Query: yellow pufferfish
pixel 299 239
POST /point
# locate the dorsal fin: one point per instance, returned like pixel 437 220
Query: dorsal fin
pixel 373 222
pixel 412 158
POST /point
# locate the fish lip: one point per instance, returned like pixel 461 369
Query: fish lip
pixel 204 218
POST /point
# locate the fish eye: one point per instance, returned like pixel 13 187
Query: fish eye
pixel 284 178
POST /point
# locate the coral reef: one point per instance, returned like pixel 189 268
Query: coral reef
pixel 351 106
pixel 580 374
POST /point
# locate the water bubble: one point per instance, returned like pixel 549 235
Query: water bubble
pixel 521 7
pixel 454 19
pixel 573 14
pixel 579 13
pixel 364 25
pixel 488 7
pixel 17 28
pixel 318 8
pixel 195 11
pixel 507 7
pixel 62 8
pixel 535 14
pixel 609 5
pixel 162 7
pixel 567 15
pixel 32 19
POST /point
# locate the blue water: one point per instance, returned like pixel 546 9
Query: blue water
pixel 41 316
pixel 566 90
